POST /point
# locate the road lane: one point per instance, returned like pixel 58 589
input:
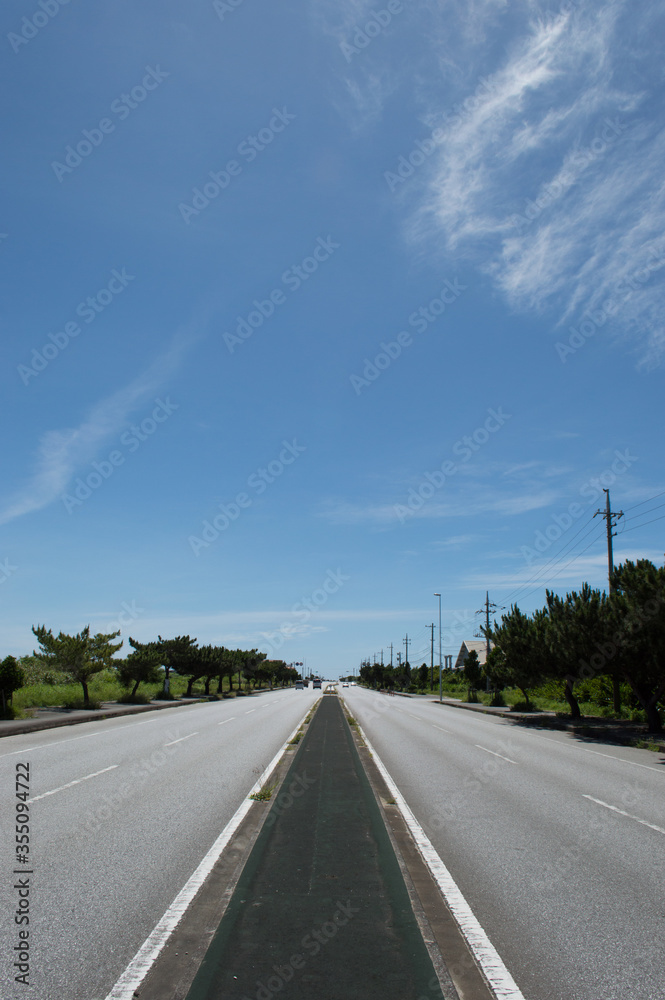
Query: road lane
pixel 569 892
pixel 111 852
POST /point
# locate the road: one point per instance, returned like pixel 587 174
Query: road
pixel 558 844
pixel 122 812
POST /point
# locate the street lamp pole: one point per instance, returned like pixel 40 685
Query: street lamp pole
pixel 440 661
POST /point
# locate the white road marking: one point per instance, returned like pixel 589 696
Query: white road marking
pixel 250 711
pixel 495 754
pixel 440 729
pixel 598 753
pixel 226 720
pixel 599 802
pixel 147 955
pixel 71 784
pixel 414 716
pixel 173 742
pixel 496 973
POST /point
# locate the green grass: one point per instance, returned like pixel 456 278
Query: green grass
pixel 264 793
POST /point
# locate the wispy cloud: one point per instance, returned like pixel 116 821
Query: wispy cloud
pixel 62 452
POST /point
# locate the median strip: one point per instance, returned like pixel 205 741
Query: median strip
pixel 71 784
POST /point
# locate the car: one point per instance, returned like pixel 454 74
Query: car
pixel 345 684
pixel 299 686
pixel 316 683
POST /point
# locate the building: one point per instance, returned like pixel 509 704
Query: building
pixel 467 646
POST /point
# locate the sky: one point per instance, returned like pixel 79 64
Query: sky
pixel 312 311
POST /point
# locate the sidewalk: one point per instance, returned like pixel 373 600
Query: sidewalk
pixel 52 718
pixel 321 908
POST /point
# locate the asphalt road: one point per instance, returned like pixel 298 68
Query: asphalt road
pixel 122 812
pixel 558 844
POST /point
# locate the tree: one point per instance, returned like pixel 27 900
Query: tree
pixel 423 675
pixel 473 672
pixel 141 666
pixel 568 632
pixel 81 655
pixel 637 640
pixel 180 654
pixel 12 678
pixel 518 661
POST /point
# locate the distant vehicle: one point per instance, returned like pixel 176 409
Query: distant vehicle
pixel 299 685
pixel 345 684
pixel 316 683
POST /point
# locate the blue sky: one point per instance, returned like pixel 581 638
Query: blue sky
pixel 311 310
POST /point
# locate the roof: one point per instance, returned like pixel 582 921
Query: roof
pixel 467 647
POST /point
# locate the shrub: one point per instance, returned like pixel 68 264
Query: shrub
pixel 79 703
pixel 137 699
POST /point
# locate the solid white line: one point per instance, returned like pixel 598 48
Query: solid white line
pixel 495 754
pixel 147 955
pixel 173 742
pixel 496 973
pixel 72 783
pixel 226 720
pixel 637 819
pixel 567 746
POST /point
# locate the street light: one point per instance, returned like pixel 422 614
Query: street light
pixel 440 677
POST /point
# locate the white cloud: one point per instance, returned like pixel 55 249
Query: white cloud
pixel 62 452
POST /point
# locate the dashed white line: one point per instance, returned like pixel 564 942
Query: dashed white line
pixel 71 784
pixel 598 753
pixel 173 742
pixel 440 728
pixel 226 720
pixel 495 754
pixel 599 802
pixel 250 711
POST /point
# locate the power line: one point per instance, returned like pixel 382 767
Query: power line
pixel 636 526
pixel 648 500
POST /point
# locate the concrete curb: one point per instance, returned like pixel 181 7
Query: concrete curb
pixel 18 727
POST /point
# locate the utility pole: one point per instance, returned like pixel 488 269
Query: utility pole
pixel 391 654
pixel 609 514
pixel 399 659
pixel 381 657
pixel 488 607
pixel 406 640
pixel 432 658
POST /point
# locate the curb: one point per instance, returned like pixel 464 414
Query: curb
pixel 24 726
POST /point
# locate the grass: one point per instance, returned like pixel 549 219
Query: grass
pixel 103 687
pixel 297 738
pixel 264 793
pixel 593 699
